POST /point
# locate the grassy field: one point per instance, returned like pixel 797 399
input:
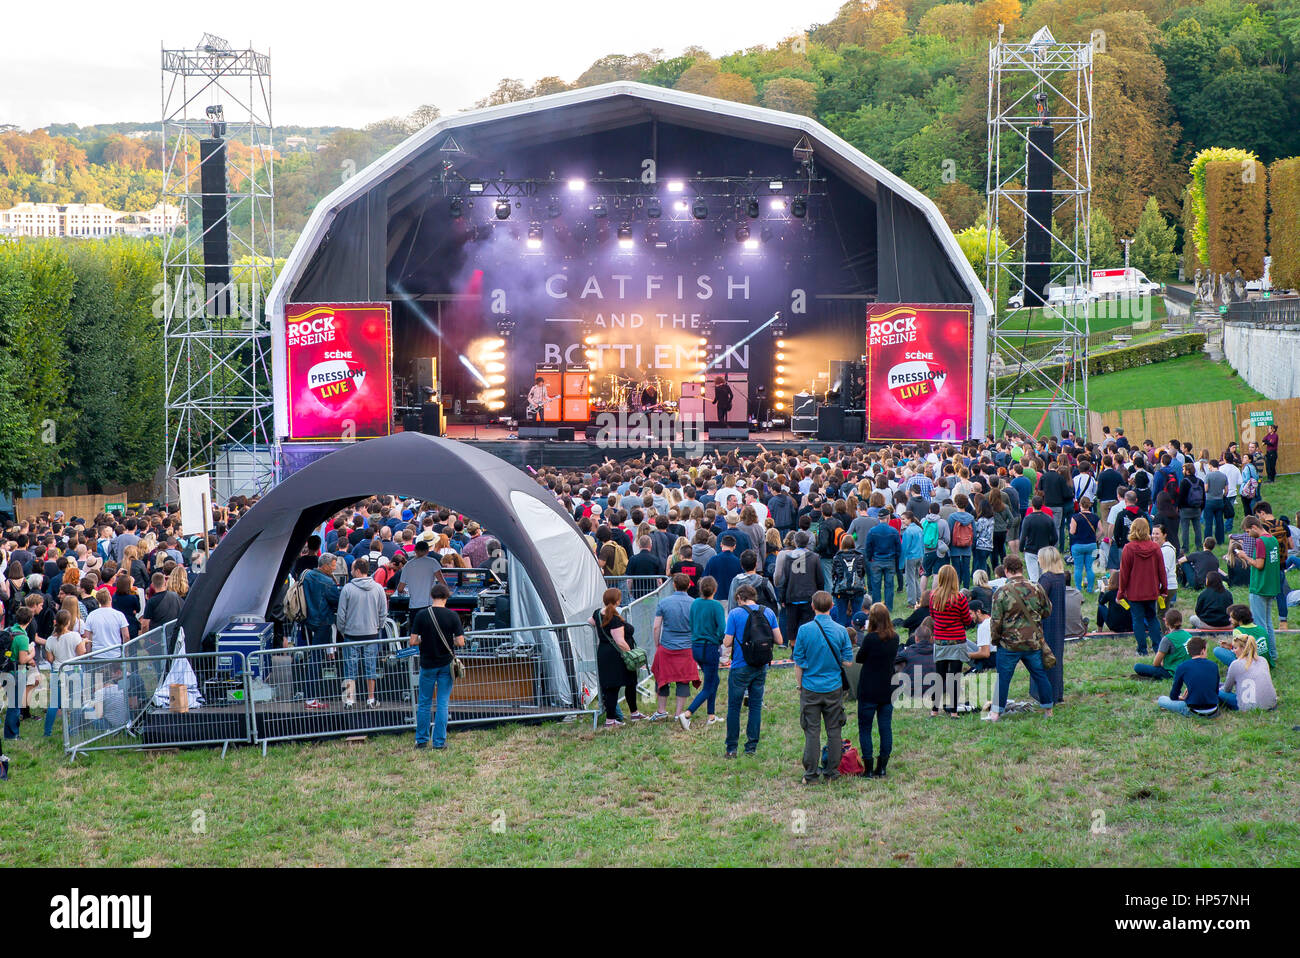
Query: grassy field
pixel 1109 780
pixel 1194 378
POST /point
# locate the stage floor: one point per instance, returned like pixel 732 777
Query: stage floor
pixel 582 453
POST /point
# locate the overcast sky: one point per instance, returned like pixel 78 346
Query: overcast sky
pixel 353 62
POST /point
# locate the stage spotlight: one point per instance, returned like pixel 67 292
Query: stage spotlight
pixel 799 208
pixel 652 208
pixel 776 186
pixel 577 185
pixel 456 208
pixel 535 236
pixel 751 245
pixel 676 186
pixel 503 209
pixel 700 209
pixel 625 236
pixel 777 204
pixel 476 186
pixel 600 209
pixel 681 206
pixel 780 344
pixel 780 406
pixel 751 208
pixel 742 233
pixel 780 357
pixel 553 207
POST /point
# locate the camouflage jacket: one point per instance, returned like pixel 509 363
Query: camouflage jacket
pixel 1019 608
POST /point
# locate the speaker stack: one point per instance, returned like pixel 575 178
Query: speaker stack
pixel 1038 204
pixel 216 238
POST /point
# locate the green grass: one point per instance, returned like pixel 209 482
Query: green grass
pixel 1186 379
pixel 1101 315
pixel 1026 791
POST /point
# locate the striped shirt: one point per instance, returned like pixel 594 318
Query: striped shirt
pixel 951 621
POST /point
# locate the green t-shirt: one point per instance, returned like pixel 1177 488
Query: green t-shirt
pixel 1267 581
pixel 708 621
pixel 20 644
pixel 1262 646
pixel 1177 649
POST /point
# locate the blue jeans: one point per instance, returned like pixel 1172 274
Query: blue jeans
pixel 1224 656
pixel 826 573
pixel 706 657
pixel 367 653
pixel 1228 699
pixel 1039 684
pixel 1146 621
pixel 52 710
pixel 846 605
pixel 1112 557
pixel 1189 532
pixel 744 679
pixel 1082 555
pixel 962 564
pixel 1180 707
pixel 880 581
pixel 980 560
pixel 882 714
pixel 313 684
pixel 1212 518
pixel 1152 671
pixel 429 678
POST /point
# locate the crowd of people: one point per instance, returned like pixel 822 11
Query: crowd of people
pixel 979 552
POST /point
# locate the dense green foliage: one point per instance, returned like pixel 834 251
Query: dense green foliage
pixel 81 377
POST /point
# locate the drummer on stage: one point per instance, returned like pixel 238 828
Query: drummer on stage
pixel 648 390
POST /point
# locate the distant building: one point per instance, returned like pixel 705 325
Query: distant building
pixel 295 142
pixel 87 220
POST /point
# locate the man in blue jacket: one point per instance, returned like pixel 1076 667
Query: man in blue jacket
pixel 821 652
pixel 321 595
pixel 881 550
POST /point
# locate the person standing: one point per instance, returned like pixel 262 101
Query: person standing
pixel 910 558
pixel 1265 572
pixel 1142 583
pixel 433 630
pixel 950 618
pixel 362 608
pixel 1191 505
pixel 1037 530
pixel 1271 440
pixel 1052 581
pixel 674 662
pixel 708 625
pixel 752 633
pixel 820 655
pixel 21 656
pixel 64 645
pixel 1216 497
pixel 419 576
pixel 876 655
pixel 848 580
pixel 1083 544
pixel 106 628
pixel 1016 628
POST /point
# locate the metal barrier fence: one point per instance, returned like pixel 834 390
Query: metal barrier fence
pixel 356 688
pixel 1275 310
pixel 126 701
pixel 640 614
pixel 636 587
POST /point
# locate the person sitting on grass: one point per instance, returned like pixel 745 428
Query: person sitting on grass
pixel 983 657
pixel 1171 652
pixel 1249 684
pixel 1212 604
pixel 1243 623
pixel 1196 684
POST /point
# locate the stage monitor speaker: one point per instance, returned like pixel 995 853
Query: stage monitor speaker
pixel 729 433
pixel 431 421
pixel 1039 151
pixel 830 423
pixel 216 227
pixel 564 434
pixel 853 429
pixel 739 412
pixel 426 374
pixel 803 418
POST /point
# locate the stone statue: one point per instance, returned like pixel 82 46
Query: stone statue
pixel 1239 287
pixel 1198 285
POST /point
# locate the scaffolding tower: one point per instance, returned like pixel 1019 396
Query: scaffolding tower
pixel 216 341
pixel 1039 83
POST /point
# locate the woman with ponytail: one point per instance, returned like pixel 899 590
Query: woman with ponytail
pixel 613 638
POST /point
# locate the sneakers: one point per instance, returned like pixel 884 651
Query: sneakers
pixel 658 716
pixel 713 720
pixel 964 708
pixel 684 720
pixel 812 779
pixel 349 703
pixel 612 723
pixel 371 704
pixel 638 717
pixel 315 704
pixel 421 746
pixel 728 754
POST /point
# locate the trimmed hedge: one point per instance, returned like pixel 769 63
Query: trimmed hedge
pixel 1236 200
pixel 1130 357
pixel 1196 188
pixel 1284 223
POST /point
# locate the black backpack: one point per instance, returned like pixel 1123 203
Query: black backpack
pixel 759 639
pixel 1196 494
pixel 8 663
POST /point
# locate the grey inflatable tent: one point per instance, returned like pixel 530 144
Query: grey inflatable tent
pixel 554 578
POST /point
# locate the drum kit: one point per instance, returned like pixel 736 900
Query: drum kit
pixel 628 394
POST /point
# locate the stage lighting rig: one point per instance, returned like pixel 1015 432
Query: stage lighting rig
pixel 600 208
pixel 625 236
pixel 535 236
pixel 700 209
pixel 217 120
pixel 502 209
pixel 653 209
pixel 456 208
pixel 799 208
pixel 553 209
pixel 751 208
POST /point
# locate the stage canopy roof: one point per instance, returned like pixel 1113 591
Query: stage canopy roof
pixel 348 246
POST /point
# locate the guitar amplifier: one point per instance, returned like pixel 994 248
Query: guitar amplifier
pixel 830 423
pixel 803 420
pixel 553 378
pixel 577 394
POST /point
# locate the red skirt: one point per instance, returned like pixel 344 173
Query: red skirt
pixel 675 665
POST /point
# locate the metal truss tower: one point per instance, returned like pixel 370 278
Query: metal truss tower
pixel 1039 83
pixel 217 343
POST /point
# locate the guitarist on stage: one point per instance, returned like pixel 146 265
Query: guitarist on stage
pixel 722 399
pixel 538 397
